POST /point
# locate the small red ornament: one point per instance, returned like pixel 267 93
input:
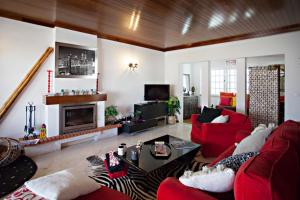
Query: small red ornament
pixel 49 81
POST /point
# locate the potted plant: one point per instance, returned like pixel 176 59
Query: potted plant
pixel 110 114
pixel 173 108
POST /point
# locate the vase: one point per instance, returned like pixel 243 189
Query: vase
pixel 171 120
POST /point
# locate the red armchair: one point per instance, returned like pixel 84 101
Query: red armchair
pixel 215 138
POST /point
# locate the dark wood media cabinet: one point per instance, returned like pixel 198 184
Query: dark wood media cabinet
pixel 150 114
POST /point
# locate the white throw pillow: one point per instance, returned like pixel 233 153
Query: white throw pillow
pixel 259 128
pixel 220 119
pixel 63 185
pixel 253 142
pixel 217 179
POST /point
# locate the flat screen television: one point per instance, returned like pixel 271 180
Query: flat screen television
pixel 156 92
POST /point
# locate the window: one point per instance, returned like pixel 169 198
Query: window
pixel 231 80
pixel 224 78
pixel 217 81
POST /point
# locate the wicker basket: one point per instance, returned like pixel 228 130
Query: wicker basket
pixel 10 150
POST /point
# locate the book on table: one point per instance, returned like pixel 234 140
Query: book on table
pixel 160 149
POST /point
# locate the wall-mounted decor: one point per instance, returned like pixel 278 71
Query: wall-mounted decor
pixel 133 66
pixel 74 61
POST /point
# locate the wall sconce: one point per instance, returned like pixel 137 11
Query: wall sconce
pixel 133 66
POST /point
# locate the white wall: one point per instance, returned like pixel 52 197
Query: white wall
pixel 287 44
pixel 77 38
pixel 195 77
pixel 241 85
pixel 265 60
pixel 186 68
pixel 21 44
pixel 123 86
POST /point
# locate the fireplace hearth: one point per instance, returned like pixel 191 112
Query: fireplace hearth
pixel 77 117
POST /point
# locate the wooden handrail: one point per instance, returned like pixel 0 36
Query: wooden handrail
pixel 11 99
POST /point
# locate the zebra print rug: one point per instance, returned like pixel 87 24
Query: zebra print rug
pixel 134 184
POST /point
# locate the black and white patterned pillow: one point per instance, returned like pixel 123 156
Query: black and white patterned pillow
pixel 234 162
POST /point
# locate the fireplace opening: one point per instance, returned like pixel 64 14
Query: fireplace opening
pixel 77 117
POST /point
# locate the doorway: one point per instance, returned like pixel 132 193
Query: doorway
pixel 192 83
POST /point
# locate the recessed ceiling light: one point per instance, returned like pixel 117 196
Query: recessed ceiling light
pixel 131 20
pixel 187 25
pixel 233 17
pixel 134 20
pixel 216 20
pixel 249 13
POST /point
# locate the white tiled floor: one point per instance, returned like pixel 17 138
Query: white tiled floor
pixel 75 155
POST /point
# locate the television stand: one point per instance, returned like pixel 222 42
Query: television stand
pixel 150 113
pixel 131 127
pixel 152 110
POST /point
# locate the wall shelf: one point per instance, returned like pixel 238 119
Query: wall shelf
pixel 70 99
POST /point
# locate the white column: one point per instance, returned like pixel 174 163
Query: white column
pixel 241 85
pixel 52 120
pixel 205 83
pixel 100 113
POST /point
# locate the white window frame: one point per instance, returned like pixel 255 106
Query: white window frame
pixel 228 80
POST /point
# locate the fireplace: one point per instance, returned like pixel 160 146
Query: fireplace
pixel 77 117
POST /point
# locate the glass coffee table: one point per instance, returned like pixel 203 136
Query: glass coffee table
pixel 181 152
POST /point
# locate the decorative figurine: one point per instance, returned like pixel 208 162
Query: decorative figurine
pixel 43 132
pixel 49 81
pixel 30 121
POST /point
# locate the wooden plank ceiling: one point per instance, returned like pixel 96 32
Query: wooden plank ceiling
pixel 162 24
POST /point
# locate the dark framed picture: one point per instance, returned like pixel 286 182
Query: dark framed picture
pixel 75 61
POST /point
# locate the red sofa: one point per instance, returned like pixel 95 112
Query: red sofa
pixel 273 174
pixel 215 138
pixel 105 193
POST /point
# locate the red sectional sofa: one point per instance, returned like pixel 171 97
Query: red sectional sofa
pixel 105 193
pixel 273 174
pixel 215 138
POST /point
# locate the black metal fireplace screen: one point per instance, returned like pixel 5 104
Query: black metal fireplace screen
pixel 77 117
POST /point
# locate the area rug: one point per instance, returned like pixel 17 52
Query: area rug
pixel 135 185
pixel 16 174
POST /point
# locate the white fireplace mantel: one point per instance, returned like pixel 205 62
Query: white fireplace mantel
pixel 52 117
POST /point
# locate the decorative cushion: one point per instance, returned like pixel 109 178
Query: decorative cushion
pixel 253 142
pixel 226 94
pixel 273 174
pixel 234 162
pixel 225 101
pixel 62 185
pixel 233 102
pixel 208 114
pixel 218 179
pixel 220 119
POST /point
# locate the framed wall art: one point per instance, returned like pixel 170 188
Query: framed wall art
pixel 75 61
